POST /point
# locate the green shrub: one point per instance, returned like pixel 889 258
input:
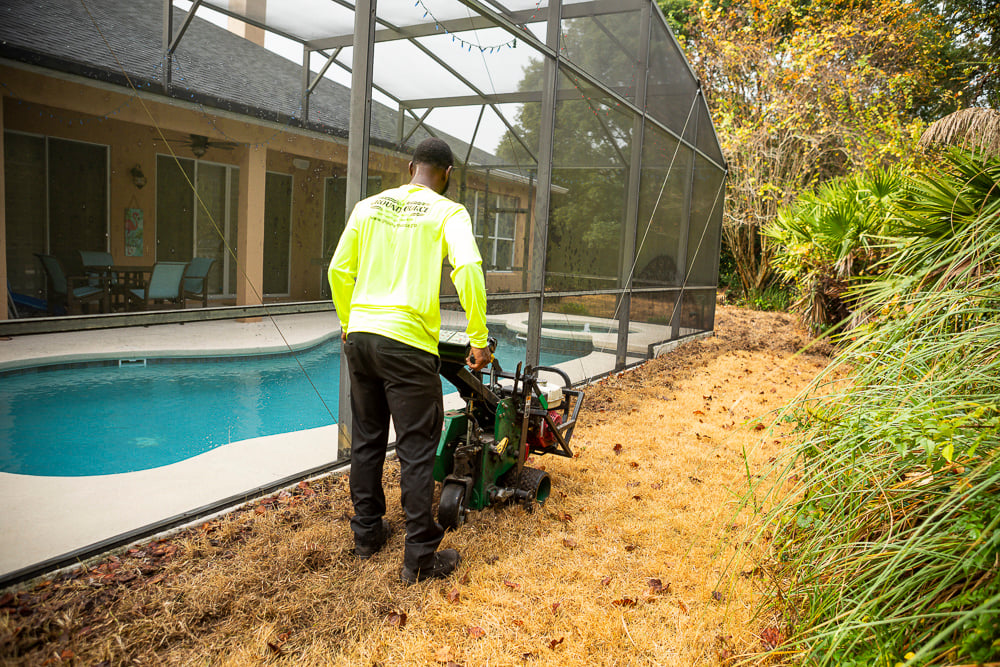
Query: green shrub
pixel 572 308
pixel 775 297
pixel 891 552
pixel 829 238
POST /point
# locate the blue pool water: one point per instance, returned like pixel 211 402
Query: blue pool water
pixel 100 420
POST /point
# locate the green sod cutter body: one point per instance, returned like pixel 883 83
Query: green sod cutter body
pixel 507 416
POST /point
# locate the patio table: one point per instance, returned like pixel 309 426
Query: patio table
pixel 124 277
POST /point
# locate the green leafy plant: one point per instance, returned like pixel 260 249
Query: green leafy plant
pixel 889 552
pixel 572 308
pixel 829 238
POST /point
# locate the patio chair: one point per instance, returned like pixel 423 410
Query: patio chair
pixel 97 267
pixel 70 292
pixel 95 261
pixel 196 279
pixel 22 305
pixel 165 285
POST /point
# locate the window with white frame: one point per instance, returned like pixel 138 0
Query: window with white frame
pixel 494 221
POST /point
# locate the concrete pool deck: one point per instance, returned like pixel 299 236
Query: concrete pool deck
pixel 46 518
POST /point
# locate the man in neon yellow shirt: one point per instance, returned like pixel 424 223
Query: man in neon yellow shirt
pixel 385 277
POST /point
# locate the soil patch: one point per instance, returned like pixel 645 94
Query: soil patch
pixel 634 560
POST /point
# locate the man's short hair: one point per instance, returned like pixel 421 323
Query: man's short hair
pixel 434 152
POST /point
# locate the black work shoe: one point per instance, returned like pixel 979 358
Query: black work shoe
pixel 442 564
pixel 366 549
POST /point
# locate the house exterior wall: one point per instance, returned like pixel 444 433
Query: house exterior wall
pixel 130 145
pixel 138 127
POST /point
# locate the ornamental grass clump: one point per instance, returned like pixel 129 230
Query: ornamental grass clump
pixel 889 552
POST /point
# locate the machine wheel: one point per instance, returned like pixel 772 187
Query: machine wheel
pixel 451 508
pixel 537 484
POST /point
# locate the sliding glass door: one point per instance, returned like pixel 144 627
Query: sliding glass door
pixel 203 221
pixel 198 222
pixel 56 203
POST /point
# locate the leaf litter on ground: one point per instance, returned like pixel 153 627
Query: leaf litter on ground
pixel 583 580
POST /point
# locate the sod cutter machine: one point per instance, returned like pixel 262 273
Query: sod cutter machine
pixel 483 447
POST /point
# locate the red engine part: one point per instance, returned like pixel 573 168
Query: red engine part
pixel 543 437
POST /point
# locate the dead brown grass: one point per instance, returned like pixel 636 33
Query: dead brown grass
pixel 633 561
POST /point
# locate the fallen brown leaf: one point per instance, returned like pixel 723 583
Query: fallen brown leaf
pixel 453 595
pixel 475 631
pixel 656 586
pixel 772 638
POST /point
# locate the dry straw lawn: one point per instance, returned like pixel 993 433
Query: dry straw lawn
pixel 633 560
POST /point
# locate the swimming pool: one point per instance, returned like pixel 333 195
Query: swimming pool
pixel 98 420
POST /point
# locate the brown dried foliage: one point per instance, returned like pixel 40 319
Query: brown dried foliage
pixel 625 564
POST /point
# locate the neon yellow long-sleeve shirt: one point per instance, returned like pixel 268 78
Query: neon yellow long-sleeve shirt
pixel 385 275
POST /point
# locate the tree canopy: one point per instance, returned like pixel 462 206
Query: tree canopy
pixel 802 92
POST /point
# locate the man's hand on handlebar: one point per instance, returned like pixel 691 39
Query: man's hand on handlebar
pixel 479 357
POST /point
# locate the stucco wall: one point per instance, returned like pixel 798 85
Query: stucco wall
pixel 136 127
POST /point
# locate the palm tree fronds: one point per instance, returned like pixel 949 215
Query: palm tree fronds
pixel 976 128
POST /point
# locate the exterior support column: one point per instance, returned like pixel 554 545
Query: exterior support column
pixel 168 37
pixel 546 132
pixel 4 306
pixel 628 257
pixel 306 54
pixel 682 243
pixel 357 171
pixel 250 234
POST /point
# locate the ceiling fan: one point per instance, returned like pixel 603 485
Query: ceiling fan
pixel 199 144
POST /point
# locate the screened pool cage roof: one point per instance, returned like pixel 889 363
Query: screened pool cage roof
pixel 463 68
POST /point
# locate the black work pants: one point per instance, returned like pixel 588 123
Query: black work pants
pixel 392 378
